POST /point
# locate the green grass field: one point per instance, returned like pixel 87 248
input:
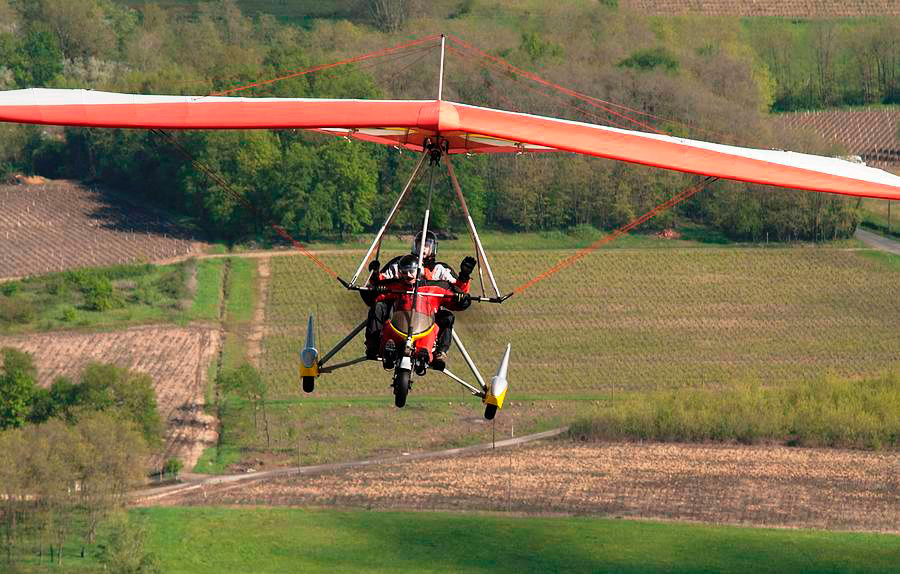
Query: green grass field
pixel 198 540
pixel 112 297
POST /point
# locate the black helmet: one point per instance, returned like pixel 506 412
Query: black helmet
pixel 430 243
pixel 406 267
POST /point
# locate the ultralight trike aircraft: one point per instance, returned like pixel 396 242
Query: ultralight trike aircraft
pixel 438 129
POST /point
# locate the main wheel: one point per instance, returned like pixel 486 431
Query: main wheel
pixel 401 387
pixel 490 411
pixel 309 384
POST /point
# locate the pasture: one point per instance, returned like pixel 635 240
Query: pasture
pixel 199 540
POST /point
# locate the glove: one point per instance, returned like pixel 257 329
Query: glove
pixel 466 268
pixel 380 288
pixel 462 299
pixel 374 265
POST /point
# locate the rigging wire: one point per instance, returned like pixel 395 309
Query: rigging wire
pixel 669 203
pixel 295 74
pixel 501 63
pixel 562 101
pixel 226 187
pixel 589 98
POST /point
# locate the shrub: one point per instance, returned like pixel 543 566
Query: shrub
pixel 67 314
pixel 10 289
pixel 99 294
pixel 14 310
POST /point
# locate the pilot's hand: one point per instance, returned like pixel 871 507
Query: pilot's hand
pixel 374 265
pixel 466 268
pixel 380 288
pixel 462 299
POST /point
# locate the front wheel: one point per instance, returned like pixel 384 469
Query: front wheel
pixel 309 384
pixel 401 387
pixel 490 411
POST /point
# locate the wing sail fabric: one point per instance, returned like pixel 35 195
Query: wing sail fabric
pixel 467 129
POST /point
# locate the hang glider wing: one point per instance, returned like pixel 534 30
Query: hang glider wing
pixel 466 129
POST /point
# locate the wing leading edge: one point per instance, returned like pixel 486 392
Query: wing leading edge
pixel 467 129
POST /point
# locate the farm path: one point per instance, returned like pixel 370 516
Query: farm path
pixel 759 485
pixel 258 326
pixel 199 481
pixel 878 241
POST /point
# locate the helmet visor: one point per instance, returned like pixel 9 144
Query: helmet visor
pixel 430 247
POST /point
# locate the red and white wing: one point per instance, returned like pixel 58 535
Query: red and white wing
pixel 467 129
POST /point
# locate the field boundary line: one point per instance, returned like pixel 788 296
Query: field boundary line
pixel 153 494
pixel 877 241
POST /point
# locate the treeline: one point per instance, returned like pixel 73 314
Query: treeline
pixel 68 457
pixel 700 77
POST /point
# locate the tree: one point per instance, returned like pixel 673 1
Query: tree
pixel 172 467
pixel 108 387
pixel 110 461
pixel 124 549
pixel 246 383
pixel 44 55
pixel 17 387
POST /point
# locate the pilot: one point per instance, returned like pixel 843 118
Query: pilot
pixel 396 292
pixel 432 270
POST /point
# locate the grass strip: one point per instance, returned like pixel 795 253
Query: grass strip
pixel 823 412
pixel 199 540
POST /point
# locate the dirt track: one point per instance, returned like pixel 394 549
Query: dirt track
pixel 772 486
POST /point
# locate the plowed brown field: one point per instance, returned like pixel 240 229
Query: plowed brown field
pixel 868 133
pixel 782 8
pixel 775 486
pixel 176 358
pixel 63 225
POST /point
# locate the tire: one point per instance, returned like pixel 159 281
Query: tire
pixel 490 411
pixel 401 387
pixel 309 384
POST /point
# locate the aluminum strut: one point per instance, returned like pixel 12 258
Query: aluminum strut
pixel 333 368
pixel 471 389
pixel 469 360
pixel 482 256
pixel 342 343
pixel 422 242
pixel 390 217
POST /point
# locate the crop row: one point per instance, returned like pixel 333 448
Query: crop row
pixel 627 320
pixel 175 358
pixel 60 225
pixel 774 486
pixel 870 134
pixel 779 8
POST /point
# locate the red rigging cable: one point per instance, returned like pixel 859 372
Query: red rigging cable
pixel 534 77
pixel 499 62
pixel 671 202
pixel 596 117
pixel 361 58
pixel 241 199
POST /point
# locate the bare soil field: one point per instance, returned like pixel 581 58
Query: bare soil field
pixel 176 358
pixel 868 133
pixel 771 486
pixel 782 8
pixel 62 225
